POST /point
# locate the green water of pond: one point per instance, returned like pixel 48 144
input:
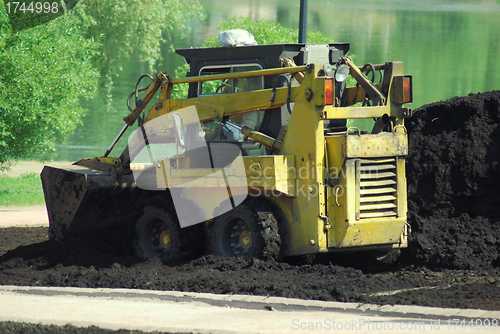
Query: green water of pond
pixel 450 47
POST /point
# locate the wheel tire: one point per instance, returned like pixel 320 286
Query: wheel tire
pixel 248 231
pixel 158 234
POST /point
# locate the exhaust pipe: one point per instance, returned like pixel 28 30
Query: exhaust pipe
pixel 303 22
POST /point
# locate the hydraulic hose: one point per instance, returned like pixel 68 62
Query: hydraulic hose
pixel 289 84
pixel 372 69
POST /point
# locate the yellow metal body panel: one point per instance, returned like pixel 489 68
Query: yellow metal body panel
pixel 371 232
pixel 304 139
pixel 367 200
pixel 384 144
pixel 272 173
pixel 268 173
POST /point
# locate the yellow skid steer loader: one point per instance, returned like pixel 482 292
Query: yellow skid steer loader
pixel 258 162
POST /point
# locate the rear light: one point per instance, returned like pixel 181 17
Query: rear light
pixel 402 89
pixel 407 89
pixel 329 91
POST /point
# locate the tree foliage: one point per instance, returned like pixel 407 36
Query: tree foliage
pixel 43 73
pixel 124 28
pixel 45 70
pixel 266 32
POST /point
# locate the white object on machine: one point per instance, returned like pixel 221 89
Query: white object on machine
pixel 236 37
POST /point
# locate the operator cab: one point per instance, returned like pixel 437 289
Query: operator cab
pixel 273 122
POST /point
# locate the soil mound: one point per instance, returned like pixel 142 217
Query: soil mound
pixel 453 174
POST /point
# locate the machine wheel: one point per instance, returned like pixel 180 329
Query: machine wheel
pixel 247 232
pixel 158 235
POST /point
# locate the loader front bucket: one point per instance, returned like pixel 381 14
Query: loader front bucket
pixel 79 198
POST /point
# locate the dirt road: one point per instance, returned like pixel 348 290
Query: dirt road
pixel 18 168
pixel 35 215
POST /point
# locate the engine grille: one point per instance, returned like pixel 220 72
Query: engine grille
pixel 377 180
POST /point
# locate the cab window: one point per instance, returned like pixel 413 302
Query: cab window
pixel 215 131
pixel 228 86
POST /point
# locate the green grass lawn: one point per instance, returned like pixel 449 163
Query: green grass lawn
pixel 23 190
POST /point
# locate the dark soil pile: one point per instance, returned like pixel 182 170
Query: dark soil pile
pixel 453 176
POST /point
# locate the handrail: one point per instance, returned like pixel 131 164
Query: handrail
pixel 248 74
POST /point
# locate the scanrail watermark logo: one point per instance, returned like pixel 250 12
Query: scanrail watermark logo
pixel 262 180
pixel 171 152
pixel 367 325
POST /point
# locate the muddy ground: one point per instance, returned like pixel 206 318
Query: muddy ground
pixel 452 261
pixel 101 263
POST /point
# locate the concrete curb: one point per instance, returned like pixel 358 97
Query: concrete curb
pixel 262 303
